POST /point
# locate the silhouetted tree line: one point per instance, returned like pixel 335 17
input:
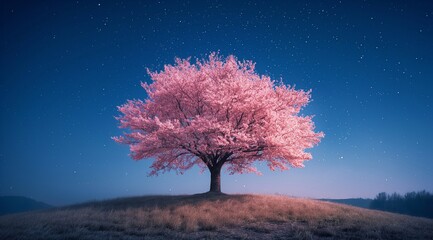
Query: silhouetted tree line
pixel 412 203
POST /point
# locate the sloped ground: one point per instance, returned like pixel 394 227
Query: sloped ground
pixel 212 216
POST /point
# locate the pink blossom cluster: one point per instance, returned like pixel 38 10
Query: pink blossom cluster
pixel 217 111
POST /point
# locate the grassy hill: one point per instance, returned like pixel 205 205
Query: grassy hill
pixel 213 217
pixel 356 202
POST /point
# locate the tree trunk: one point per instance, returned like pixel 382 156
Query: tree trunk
pixel 215 180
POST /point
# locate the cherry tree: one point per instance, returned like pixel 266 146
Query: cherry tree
pixel 214 113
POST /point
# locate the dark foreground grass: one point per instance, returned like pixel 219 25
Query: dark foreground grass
pixel 213 217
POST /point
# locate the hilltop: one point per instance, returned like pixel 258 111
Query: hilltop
pixel 213 216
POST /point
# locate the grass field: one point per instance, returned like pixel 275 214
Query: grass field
pixel 213 216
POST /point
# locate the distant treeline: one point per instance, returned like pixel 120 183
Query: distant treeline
pixel 412 203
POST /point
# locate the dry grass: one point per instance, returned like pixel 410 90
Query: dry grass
pixel 213 217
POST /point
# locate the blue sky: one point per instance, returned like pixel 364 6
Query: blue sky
pixel 66 65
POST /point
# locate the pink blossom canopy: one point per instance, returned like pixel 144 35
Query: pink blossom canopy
pixel 217 111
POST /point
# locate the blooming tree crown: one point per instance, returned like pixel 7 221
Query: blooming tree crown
pixel 214 110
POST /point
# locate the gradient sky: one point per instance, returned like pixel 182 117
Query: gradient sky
pixel 66 65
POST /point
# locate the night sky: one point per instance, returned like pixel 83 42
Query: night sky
pixel 66 65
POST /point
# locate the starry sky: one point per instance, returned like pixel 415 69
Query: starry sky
pixel 66 65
